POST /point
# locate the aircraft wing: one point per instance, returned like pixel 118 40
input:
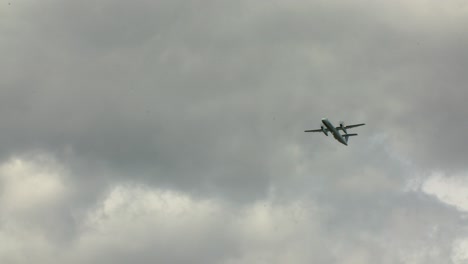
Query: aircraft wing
pixel 350 126
pixel 314 130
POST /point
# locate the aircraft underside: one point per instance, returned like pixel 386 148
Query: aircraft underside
pixel 328 127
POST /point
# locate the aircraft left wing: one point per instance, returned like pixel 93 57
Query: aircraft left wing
pixel 314 130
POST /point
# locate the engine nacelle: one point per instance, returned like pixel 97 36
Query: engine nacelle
pixel 343 127
pixel 324 130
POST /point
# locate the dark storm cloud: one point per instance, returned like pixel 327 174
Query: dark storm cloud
pixel 175 85
pixel 172 88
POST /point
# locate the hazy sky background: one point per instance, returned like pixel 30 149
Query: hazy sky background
pixel 172 131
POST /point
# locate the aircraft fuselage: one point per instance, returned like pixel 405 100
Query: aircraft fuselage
pixel 334 131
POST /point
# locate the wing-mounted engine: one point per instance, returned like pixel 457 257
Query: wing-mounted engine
pixel 324 130
pixel 343 127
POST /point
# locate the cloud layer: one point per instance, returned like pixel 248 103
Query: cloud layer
pixel 172 131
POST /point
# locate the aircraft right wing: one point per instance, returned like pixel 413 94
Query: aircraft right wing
pixel 351 126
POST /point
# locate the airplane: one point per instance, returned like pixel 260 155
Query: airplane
pixel 343 139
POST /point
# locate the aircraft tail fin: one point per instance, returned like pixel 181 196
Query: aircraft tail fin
pixel 348 135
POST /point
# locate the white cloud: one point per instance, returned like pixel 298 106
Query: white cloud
pixel 460 251
pixel 132 221
pixel 173 227
pixel 32 189
pixel 29 185
pixel 136 222
pixel 452 190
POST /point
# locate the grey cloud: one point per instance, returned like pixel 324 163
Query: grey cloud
pixel 211 98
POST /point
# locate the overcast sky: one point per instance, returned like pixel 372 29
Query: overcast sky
pixel 171 131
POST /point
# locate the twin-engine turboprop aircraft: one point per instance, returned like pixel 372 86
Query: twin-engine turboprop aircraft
pixel 328 127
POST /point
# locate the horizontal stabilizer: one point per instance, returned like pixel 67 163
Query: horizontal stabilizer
pixel 349 135
pixel 314 130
